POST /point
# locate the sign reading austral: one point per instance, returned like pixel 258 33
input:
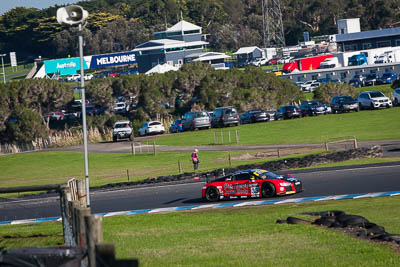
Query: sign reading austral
pixel 64 66
pixel 115 59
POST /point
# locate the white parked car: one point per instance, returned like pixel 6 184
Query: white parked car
pixel 88 77
pixel 285 59
pixel 396 97
pixel 309 86
pixel 373 99
pixel 259 62
pixel 122 129
pixel 151 127
pixel 73 78
pixel 120 108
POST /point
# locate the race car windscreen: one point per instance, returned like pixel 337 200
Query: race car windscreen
pixel 269 175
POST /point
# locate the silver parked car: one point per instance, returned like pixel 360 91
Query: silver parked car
pixel 373 99
pixel 196 120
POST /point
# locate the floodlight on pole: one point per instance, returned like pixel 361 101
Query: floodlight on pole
pixel 76 15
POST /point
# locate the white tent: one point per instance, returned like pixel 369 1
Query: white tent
pixel 162 68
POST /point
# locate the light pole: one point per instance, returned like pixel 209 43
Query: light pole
pixel 76 15
pixel 2 64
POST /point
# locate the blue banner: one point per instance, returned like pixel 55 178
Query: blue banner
pixel 65 66
pixel 108 60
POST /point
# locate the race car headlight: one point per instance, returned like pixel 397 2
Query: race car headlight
pixel 285 184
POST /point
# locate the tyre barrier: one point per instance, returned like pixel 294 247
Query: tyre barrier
pixel 354 225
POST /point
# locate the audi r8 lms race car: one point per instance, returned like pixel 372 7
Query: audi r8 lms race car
pixel 251 183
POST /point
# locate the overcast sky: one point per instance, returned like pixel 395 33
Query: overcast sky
pixel 6 5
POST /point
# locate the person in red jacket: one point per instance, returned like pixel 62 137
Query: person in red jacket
pixel 195 159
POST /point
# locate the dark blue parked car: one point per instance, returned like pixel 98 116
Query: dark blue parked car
pixel 176 127
pixel 387 77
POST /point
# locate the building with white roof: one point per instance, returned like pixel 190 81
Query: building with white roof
pixel 171 46
pixel 247 54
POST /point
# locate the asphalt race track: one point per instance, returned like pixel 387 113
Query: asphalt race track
pixel 317 182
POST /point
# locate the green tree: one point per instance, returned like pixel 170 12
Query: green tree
pixel 25 127
pixel 326 91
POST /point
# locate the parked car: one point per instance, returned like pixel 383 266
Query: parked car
pixel 122 130
pixel 371 79
pixel 312 108
pixel 56 115
pixel 88 77
pixel 273 61
pixel 254 115
pixel 285 59
pixel 196 120
pixel 251 183
pixel 176 127
pixel 396 97
pixel 387 78
pixel 344 103
pixel 287 112
pixel 310 86
pixel 373 99
pixel 73 78
pixel 357 81
pixel 151 127
pixel 120 108
pixel 225 116
pixel 259 62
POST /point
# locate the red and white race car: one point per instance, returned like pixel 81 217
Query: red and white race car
pixel 251 183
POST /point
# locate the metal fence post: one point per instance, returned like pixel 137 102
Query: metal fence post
pixel 237 137
pixel 215 138
pixel 179 166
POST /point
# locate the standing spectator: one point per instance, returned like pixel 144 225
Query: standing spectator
pixel 195 159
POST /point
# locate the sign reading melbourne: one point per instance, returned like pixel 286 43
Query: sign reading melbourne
pixel 102 61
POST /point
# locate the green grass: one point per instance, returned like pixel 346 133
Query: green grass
pixel 365 126
pixel 235 236
pixel 58 167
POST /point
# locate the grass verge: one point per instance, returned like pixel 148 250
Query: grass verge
pixel 365 125
pixel 58 167
pixel 235 236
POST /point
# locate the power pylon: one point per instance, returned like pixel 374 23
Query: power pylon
pixel 272 24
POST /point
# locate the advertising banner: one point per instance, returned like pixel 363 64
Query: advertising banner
pixel 65 66
pixel 115 59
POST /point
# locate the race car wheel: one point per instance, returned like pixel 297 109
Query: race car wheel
pixel 212 194
pixel 267 190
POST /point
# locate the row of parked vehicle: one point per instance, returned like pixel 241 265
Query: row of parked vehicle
pixel 360 80
pixel 227 116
